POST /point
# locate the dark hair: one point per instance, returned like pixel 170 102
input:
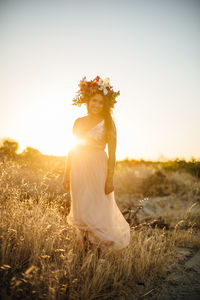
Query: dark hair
pixel 106 113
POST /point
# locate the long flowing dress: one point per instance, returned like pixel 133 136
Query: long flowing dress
pixel 92 210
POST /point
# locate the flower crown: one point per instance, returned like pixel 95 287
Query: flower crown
pixel 88 88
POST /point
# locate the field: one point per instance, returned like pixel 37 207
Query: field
pixel 42 257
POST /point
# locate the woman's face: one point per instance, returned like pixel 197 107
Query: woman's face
pixel 95 105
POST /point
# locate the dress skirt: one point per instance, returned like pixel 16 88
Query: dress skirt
pixel 91 209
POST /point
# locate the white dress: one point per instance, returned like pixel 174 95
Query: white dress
pixel 91 209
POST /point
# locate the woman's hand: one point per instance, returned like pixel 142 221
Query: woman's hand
pixel 109 187
pixel 66 183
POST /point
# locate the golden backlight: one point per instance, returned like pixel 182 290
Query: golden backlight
pixel 49 129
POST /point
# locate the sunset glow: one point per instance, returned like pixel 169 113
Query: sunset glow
pixel 149 52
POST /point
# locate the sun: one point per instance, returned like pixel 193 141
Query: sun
pixel 49 129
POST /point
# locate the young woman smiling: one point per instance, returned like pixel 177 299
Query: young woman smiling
pixel 89 171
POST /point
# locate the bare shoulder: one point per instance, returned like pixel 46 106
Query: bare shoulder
pixel 78 120
pixel 77 123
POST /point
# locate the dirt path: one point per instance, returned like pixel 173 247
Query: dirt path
pixel 183 280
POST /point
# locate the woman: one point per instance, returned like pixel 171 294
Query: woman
pixel 89 171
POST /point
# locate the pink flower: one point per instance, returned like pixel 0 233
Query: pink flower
pixel 97 78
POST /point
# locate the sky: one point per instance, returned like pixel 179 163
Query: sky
pixel 149 49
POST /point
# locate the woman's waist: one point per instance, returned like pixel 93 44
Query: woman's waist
pixel 91 147
pixel 83 152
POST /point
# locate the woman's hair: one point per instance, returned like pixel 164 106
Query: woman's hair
pixel 103 87
pixel 106 113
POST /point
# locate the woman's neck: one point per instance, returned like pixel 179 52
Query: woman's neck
pixel 95 116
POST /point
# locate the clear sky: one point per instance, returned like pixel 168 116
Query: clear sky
pixel 149 50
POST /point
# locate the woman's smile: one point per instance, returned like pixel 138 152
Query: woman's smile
pixel 95 109
pixel 96 104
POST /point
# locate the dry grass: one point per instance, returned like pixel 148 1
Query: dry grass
pixel 42 257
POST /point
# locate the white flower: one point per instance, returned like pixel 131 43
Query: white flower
pixel 106 80
pixel 103 87
pixel 103 84
pixel 105 91
pixel 100 82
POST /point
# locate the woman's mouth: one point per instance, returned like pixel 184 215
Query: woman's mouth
pixel 95 109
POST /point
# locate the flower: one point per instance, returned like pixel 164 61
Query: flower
pixel 104 85
pixel 97 79
pixel 107 80
pixel 88 88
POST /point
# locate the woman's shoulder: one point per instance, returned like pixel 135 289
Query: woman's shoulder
pixel 78 122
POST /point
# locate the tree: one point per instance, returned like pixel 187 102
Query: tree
pixel 9 147
pixel 31 153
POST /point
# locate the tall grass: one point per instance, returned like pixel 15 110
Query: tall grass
pixel 42 257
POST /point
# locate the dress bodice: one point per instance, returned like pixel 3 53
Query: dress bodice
pixel 94 137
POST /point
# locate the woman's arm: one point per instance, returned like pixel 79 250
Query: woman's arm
pixel 112 142
pixel 66 177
